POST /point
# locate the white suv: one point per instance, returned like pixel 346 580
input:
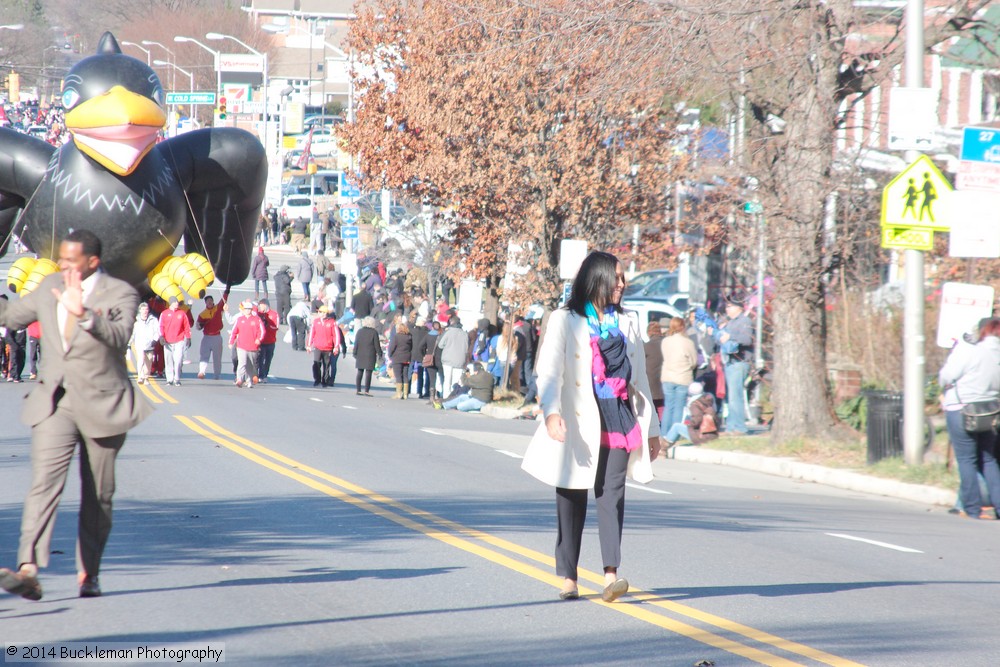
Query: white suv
pixel 651 311
pixel 297 206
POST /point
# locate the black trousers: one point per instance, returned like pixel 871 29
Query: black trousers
pixel 401 372
pixel 283 305
pixel 571 512
pixel 298 326
pixel 365 373
pixel 16 361
pixel 321 367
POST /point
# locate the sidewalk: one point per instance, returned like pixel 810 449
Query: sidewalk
pixel 790 468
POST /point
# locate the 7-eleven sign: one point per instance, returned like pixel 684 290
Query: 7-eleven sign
pixel 236 92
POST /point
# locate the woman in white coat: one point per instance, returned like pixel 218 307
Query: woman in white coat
pixel 600 423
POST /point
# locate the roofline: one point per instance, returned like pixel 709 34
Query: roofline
pixel 298 14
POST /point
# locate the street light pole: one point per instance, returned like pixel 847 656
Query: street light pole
pixel 144 50
pixel 190 80
pixel 215 55
pixel 265 83
pixel 170 58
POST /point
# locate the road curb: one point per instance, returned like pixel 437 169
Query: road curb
pixel 807 472
pixel 498 412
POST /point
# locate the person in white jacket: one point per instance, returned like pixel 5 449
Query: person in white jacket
pixel 971 374
pixel 600 422
pixel 145 333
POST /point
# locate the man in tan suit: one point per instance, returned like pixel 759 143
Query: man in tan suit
pixel 83 397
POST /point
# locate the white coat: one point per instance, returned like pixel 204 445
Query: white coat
pixel 566 388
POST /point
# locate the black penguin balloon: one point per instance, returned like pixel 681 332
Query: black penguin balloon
pixel 137 194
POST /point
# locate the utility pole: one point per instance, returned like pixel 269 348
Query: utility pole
pixel 913 326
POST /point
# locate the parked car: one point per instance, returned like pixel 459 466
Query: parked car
pixel 321 121
pixel 325 181
pixel 679 302
pixel 297 206
pixel 663 287
pixel 643 280
pixel 371 206
pixel 324 142
pixel 292 158
pixel 651 311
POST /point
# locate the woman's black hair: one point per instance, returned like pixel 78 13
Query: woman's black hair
pixel 595 283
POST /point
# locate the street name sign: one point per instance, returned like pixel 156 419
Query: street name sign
pixel 191 98
pixel 920 196
pixel 908 238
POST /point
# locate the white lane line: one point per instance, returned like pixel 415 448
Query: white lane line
pixel 648 489
pixel 432 432
pixel 510 454
pixel 313 398
pixel 896 547
pixel 289 388
pixel 349 407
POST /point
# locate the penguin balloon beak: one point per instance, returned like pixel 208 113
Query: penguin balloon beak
pixel 116 129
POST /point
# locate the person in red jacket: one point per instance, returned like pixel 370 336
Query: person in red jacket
pixel 325 340
pixel 247 334
pixel 210 324
pixel 175 332
pixel 269 318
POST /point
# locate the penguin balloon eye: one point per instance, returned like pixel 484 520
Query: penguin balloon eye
pixel 157 96
pixel 69 98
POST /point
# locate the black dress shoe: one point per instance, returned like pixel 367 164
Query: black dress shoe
pixel 90 588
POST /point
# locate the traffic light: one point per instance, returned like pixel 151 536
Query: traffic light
pixel 222 108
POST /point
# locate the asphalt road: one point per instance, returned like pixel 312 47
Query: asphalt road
pixel 299 526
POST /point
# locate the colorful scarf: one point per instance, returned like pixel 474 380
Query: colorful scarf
pixel 612 372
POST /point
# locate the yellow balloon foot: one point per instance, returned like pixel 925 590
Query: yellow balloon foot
pixel 26 273
pixel 174 276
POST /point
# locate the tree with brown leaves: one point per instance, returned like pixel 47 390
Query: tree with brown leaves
pixel 484 107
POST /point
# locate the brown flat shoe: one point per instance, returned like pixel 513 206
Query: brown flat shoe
pixel 19 583
pixel 573 594
pixel 615 590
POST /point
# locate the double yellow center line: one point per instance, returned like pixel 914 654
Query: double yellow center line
pixel 472 541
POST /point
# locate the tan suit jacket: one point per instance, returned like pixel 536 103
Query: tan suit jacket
pixel 92 371
pixel 566 388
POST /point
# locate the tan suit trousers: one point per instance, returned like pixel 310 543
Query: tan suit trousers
pixel 53 442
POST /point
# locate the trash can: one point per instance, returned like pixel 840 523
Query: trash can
pixel 884 425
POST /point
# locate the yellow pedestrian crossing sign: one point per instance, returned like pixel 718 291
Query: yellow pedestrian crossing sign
pixel 918 197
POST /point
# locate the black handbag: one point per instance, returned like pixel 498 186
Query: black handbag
pixel 981 416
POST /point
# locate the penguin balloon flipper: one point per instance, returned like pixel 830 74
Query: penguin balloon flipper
pixel 224 173
pixel 23 161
